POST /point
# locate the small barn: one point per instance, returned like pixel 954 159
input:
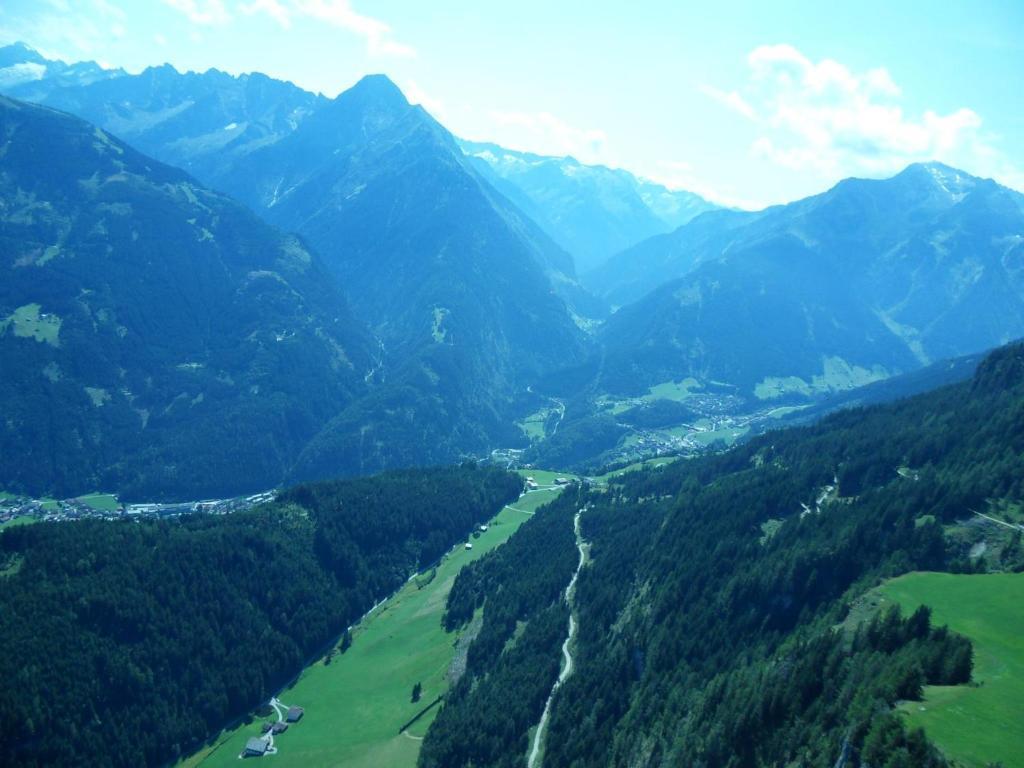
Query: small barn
pixel 294 714
pixel 469 545
pixel 279 728
pixel 255 747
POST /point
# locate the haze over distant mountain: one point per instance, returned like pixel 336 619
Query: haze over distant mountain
pixel 156 338
pixel 590 210
pixel 201 122
pixel 863 281
pixel 466 294
pixel 25 72
pixel 462 288
pixel 459 259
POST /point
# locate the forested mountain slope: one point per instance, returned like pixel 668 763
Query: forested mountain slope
pixel 151 330
pixel 469 299
pixel 383 192
pixel 707 657
pixel 461 288
pixel 127 644
pixel 866 280
pixel 709 612
pixel 515 657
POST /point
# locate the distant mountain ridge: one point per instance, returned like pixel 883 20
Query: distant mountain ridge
pixel 201 122
pixel 466 293
pixel 24 69
pixel 866 280
pixel 590 210
pixel 459 259
pixel 469 299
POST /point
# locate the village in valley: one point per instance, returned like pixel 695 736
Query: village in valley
pixel 16 509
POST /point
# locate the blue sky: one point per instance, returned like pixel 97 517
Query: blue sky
pixel 749 103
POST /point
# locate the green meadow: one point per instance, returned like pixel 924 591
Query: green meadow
pixel 543 476
pixel 533 425
pixel 660 461
pixel 104 502
pixel 676 391
pixel 728 435
pixel 981 723
pixel 673 390
pixel 27 322
pixel 356 704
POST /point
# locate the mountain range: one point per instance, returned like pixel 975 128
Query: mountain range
pixel 466 298
pixel 447 275
pixel 200 122
pixel 870 278
pixel 591 211
pixel 25 70
pixel 467 295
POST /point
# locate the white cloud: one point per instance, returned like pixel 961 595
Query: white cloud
pixel 730 99
pixel 273 8
pixel 68 32
pixel 110 9
pixel 825 118
pixel 681 175
pixel 546 134
pixel 202 12
pixel 339 13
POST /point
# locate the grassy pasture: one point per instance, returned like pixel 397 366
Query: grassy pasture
pixel 356 704
pixel 981 723
pixel 649 463
pixel 673 390
pixel 533 425
pixel 543 476
pixel 27 322
pixel 676 391
pixel 104 502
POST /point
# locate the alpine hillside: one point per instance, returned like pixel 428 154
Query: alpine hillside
pixel 470 301
pixel 466 294
pixel 151 330
pixel 866 280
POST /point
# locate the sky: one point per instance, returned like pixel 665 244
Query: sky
pixel 746 103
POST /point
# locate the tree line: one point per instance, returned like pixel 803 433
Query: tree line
pixel 128 644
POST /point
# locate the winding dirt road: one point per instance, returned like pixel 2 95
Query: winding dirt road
pixel 567 668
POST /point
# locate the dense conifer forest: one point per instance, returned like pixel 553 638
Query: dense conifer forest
pixel 127 643
pixel 514 660
pixel 707 617
pixel 714 615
